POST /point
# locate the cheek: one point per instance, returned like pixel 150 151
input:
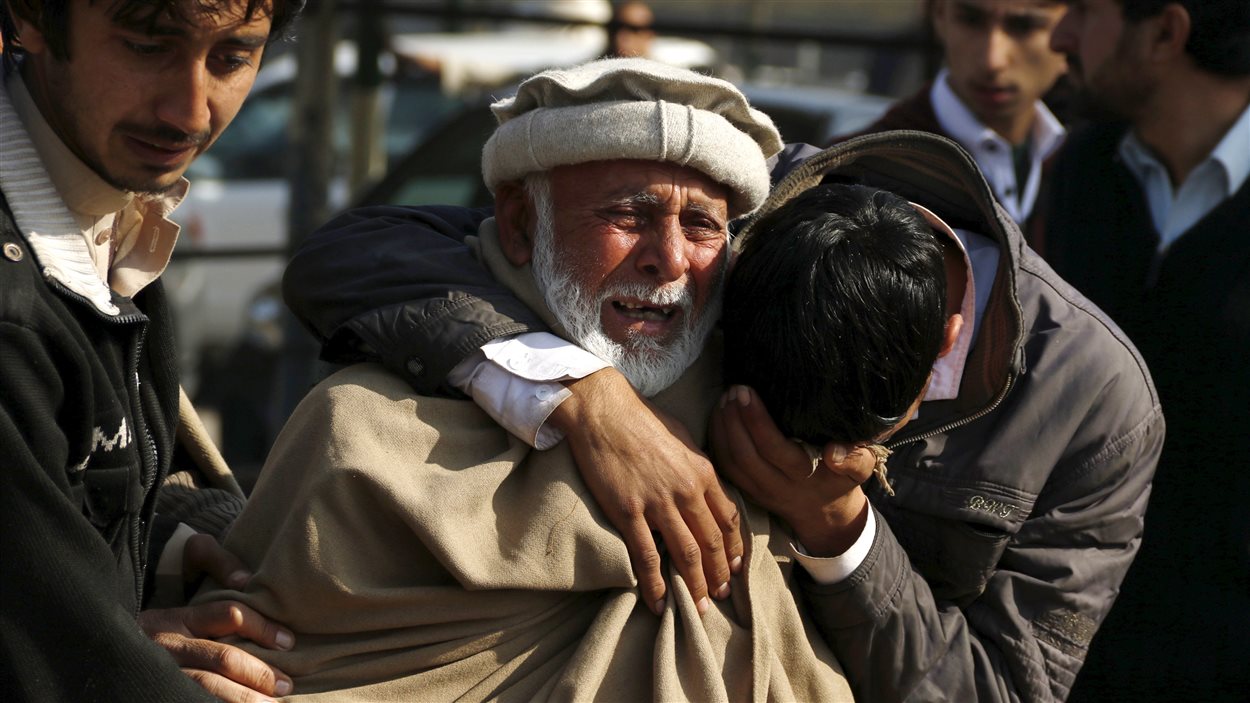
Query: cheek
pixel 225 102
pixel 1048 65
pixel 706 266
pixel 595 257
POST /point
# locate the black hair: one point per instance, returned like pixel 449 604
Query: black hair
pixel 1219 37
pixel 835 312
pixel 52 17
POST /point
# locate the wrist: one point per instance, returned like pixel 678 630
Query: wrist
pixel 831 530
pixel 572 412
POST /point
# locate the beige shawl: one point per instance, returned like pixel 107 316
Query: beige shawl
pixel 420 552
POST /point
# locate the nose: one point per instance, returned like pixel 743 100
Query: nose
pixel 663 255
pixel 183 101
pixel 997 50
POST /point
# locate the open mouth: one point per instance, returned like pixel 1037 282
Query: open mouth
pixel 644 312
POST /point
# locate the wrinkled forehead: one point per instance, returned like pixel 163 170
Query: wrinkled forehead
pixel 653 182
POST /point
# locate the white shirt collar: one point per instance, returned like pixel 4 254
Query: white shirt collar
pixel 56 194
pixel 1175 208
pixel 993 153
pixel 1233 152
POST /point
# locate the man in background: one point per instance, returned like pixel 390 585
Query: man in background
pixel 629 32
pixel 1149 220
pixel 988 97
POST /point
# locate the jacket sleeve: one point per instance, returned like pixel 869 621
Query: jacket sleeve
pixel 1025 636
pixel 64 632
pixel 399 286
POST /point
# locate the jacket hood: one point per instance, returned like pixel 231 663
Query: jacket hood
pixel 937 173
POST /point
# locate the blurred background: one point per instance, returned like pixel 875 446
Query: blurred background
pixel 386 101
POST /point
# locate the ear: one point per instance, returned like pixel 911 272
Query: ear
pixel 954 324
pixel 1171 29
pixel 515 223
pixel 28 35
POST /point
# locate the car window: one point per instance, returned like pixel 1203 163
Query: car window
pixel 444 168
pixel 256 145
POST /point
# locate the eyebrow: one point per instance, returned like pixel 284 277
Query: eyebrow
pixel 713 213
pixel 639 198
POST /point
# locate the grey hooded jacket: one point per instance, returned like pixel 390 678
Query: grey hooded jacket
pixel 1019 505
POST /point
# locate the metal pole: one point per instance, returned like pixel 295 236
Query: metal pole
pixel 312 122
pixel 368 154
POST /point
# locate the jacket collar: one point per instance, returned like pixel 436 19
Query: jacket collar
pixel 935 172
pixel 45 184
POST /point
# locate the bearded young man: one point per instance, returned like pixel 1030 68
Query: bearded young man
pixel 422 551
pixel 103 105
pixel 1149 220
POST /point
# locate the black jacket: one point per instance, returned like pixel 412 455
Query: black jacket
pixel 1189 312
pixel 88 405
pixel 1019 504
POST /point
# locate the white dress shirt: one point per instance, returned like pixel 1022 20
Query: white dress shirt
pixel 993 153
pixel 1216 179
pixel 517 381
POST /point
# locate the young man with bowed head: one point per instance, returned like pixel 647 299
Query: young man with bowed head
pixel 103 105
pixel 1149 219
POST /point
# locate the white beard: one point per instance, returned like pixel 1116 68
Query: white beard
pixel 650 364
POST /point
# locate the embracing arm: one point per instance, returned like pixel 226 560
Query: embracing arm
pixel 398 285
pixel 1025 637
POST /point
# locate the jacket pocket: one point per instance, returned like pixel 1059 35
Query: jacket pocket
pixel 955 557
pixel 108 496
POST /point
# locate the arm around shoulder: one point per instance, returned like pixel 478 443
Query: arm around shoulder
pixel 398 285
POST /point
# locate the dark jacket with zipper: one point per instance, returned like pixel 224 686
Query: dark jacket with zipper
pixel 1019 504
pixel 88 406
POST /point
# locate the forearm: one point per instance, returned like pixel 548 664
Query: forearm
pixel 65 632
pixel 896 642
pixel 398 285
pixel 1023 633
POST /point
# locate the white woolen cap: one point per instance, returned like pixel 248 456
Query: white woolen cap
pixel 633 109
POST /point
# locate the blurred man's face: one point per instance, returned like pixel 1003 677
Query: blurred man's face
pixel 631 261
pixel 999 56
pixel 631 33
pixel 1106 58
pixel 138 106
